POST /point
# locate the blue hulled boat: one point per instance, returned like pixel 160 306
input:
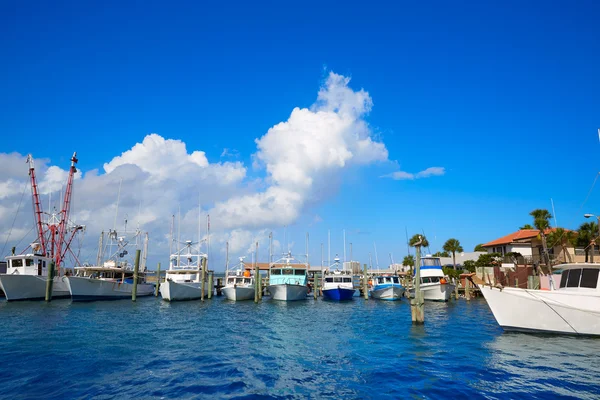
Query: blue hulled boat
pixel 337 283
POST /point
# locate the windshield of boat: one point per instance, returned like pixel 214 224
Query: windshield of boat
pixel 585 278
pixel 430 262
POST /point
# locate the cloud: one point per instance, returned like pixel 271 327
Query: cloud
pixel 429 172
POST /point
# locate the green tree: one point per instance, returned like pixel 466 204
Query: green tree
pixel 526 226
pixel 469 265
pixel 562 237
pixel 479 247
pixel 541 221
pixel 487 260
pixel 452 246
pixel 451 272
pixel 441 254
pixel 585 238
pixel 409 261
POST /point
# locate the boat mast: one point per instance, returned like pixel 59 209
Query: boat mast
pixel 145 253
pixel 179 239
pixel 307 262
pixel 270 248
pixel 344 246
pixel 226 259
pixel 376 258
pixel 37 205
pixel 207 239
pixel 66 209
pixel 171 242
pixel 100 249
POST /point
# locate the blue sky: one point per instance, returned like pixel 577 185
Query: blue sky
pixel 505 96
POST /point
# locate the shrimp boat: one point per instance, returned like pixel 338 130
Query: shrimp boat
pixel 435 286
pixel 573 308
pixel 239 283
pixel 183 280
pixel 112 279
pixel 27 273
pixel 288 279
pixel 386 287
pixel 337 283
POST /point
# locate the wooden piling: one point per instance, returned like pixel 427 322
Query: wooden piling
pixel 156 289
pixel 49 282
pixel 315 285
pixel 256 283
pixel 211 288
pixel 365 283
pixel 416 303
pixel 467 289
pixel 456 283
pixel 202 278
pixel 136 268
pixel 219 286
pixel 516 282
pixel 260 286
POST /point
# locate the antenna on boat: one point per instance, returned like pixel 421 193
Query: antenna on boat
pixel 100 250
pixel 407 242
pixel 270 248
pixel 554 212
pixel 376 259
pixel 307 262
pixel 344 245
pixel 171 241
pixel 179 237
pixel 370 262
pixel 226 258
pixel 207 239
pixel 329 247
pixel 117 208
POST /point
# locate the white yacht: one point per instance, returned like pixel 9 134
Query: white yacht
pixel 386 287
pixel 288 279
pixel 435 286
pixel 239 283
pixel 183 280
pixel 26 274
pixel 572 308
pixel 112 279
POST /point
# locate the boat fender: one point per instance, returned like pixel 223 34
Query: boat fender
pixel 443 281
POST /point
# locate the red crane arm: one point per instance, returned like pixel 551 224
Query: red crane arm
pixel 37 205
pixel 66 208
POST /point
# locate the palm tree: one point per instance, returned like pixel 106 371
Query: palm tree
pixel 562 237
pixel 585 238
pixel 526 226
pixel 415 239
pixel 452 246
pixel 480 247
pixel 541 221
pixel 409 261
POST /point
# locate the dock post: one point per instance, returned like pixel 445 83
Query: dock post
pixel 211 287
pixel 49 281
pixel 257 284
pixel 467 289
pixel 136 268
pixel 219 286
pixel 202 278
pixel 456 283
pixel 260 286
pixel 157 281
pixel 365 283
pixel 315 285
pixel 416 303
pixel 516 282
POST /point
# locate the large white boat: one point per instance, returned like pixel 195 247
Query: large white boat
pixel 288 279
pixel 572 308
pixel 26 274
pixel 337 282
pixel 114 278
pixel 183 280
pixel 239 283
pixel 435 286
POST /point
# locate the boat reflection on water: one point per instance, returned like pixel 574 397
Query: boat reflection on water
pixel 521 364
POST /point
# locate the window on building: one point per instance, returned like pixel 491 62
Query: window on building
pixel 589 278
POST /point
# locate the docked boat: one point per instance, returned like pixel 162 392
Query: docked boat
pixel 573 308
pixel 435 286
pixel 239 283
pixel 288 279
pixel 27 273
pixel 337 283
pixel 112 279
pixel 183 280
pixel 386 287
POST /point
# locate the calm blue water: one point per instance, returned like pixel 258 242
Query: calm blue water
pixel 312 349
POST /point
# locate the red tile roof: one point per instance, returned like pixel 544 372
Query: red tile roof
pixel 522 234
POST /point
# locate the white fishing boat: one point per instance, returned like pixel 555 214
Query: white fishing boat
pixel 435 286
pixel 386 287
pixel 114 278
pixel 183 280
pixel 572 308
pixel 239 283
pixel 288 279
pixel 337 282
pixel 26 273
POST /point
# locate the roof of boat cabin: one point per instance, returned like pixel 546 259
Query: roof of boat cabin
pixel 576 265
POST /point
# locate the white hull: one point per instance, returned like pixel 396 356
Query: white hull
pixel 174 291
pixel 86 289
pixel 239 293
pixel 287 292
pixel 31 287
pixel 435 291
pixel 388 293
pixel 544 311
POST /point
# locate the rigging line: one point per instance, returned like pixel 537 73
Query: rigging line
pixel 14 219
pixel 590 192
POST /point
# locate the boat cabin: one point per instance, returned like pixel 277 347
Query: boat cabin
pixel 386 280
pixel 28 264
pixel 338 279
pixel 289 274
pixel 428 262
pixel 580 276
